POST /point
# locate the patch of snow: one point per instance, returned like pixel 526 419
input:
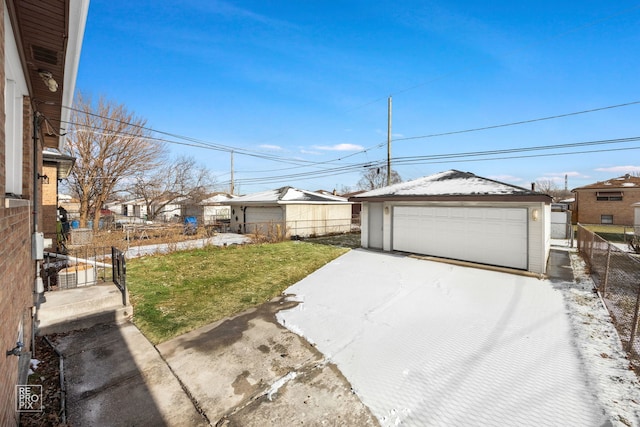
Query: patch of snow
pixel 33 366
pixel 221 239
pixel 446 183
pixel 278 384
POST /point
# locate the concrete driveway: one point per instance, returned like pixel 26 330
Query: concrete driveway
pixel 429 343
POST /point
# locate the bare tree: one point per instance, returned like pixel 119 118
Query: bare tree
pixel 374 178
pixel 546 186
pixel 110 145
pixel 179 179
pixel 550 187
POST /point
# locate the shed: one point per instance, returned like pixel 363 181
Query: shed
pixel 288 211
pixel 460 216
pixel 211 210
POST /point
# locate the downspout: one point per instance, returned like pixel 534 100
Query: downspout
pixel 37 241
pixel 244 219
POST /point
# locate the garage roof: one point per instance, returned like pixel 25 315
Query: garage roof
pixel 287 195
pixel 452 185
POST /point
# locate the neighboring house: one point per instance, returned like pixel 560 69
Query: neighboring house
pixel 211 210
pixel 607 202
pixel 356 207
pixel 461 216
pixel 41 43
pixel 55 166
pixel 135 208
pixel 115 206
pixel 289 211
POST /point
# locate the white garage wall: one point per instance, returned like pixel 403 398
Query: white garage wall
pixel 307 220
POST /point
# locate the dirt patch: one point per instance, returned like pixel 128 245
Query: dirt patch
pixel 46 374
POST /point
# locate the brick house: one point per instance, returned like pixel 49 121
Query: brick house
pixel 55 166
pixel 607 202
pixel 40 52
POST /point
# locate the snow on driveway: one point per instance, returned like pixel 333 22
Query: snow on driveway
pixel 427 343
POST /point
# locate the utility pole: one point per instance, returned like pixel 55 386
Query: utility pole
pixel 232 189
pixel 389 142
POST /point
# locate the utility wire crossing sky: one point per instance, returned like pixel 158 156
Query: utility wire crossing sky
pixel 298 92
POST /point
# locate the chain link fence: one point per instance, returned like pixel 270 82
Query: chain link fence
pixel 616 274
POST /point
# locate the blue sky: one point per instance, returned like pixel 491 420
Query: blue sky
pixel 299 88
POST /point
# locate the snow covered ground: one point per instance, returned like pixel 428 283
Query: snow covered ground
pixel 219 239
pixel 427 343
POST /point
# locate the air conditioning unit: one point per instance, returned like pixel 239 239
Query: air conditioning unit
pixel 75 276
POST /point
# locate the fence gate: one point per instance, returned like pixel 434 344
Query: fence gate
pixel 119 268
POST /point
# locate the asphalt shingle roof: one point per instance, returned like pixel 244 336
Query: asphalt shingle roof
pixel 449 183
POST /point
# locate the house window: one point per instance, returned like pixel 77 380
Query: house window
pixel 15 90
pixel 606 219
pixel 611 196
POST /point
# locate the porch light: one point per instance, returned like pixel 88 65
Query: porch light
pixel 48 80
pixel 535 214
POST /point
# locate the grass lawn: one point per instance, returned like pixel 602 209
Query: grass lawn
pixel 178 292
pixel 612 233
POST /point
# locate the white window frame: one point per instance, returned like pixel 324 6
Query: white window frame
pixel 14 92
pixel 606 219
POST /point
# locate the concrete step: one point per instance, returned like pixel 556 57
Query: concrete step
pixel 79 308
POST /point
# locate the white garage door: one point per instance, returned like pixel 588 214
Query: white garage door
pixel 496 236
pixel 262 219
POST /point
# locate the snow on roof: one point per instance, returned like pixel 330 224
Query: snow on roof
pixel 448 183
pixel 625 181
pixel 287 195
pixel 217 198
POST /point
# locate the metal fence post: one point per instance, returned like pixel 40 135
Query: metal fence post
pixel 606 272
pixel 634 326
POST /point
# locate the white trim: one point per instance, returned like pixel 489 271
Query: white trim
pixel 14 92
pixel 78 10
pixel 15 203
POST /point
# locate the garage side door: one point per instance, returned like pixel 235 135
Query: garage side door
pixel 496 236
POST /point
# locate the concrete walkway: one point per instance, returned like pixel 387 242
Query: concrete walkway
pixel 115 377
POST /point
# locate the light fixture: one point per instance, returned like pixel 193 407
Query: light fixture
pixel 48 80
pixel 535 214
pixel 44 178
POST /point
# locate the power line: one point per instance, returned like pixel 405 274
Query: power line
pixel 522 122
pixel 352 167
pixel 515 52
pixel 489 155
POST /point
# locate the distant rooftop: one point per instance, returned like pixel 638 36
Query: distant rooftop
pixel 625 181
pixel 287 195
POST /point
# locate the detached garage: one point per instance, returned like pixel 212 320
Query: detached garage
pixel 289 211
pixel 460 216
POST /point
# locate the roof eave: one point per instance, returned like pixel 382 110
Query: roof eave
pixel 534 198
pixel 78 11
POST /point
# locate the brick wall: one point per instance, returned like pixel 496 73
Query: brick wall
pixel 589 209
pixel 17 270
pixel 49 201
pixel 16 298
